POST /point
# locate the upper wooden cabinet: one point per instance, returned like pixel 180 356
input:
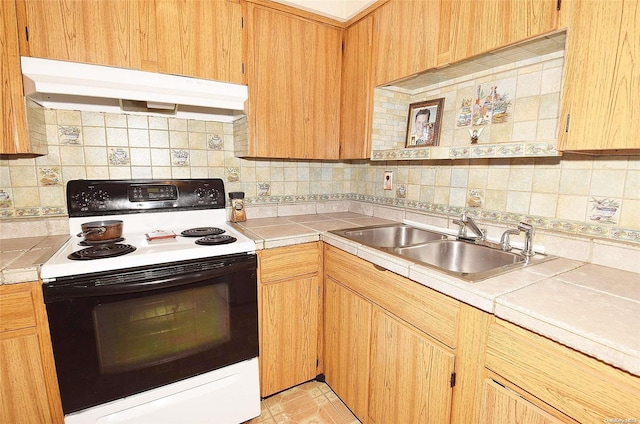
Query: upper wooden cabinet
pixel 193 38
pixel 293 73
pixel 100 32
pixel 479 26
pixel 357 91
pixel 15 137
pixel 200 38
pixel 406 38
pixel 600 105
pixel 414 36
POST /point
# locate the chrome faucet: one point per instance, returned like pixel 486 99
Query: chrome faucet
pixel 466 221
pixel 528 229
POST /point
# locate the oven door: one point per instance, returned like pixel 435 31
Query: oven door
pixel 116 334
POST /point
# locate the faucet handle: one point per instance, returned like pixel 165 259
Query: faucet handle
pixel 523 226
pixel 462 230
pixel 505 242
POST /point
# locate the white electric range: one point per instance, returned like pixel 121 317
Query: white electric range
pixel 160 324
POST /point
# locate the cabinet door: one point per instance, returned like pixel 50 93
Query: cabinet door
pixel 503 406
pixel 600 105
pixel 15 136
pixel 406 38
pixel 479 26
pixel 28 386
pixel 288 310
pixel 347 334
pixel 288 333
pixel 101 32
pixel 200 39
pixel 410 375
pixel 294 69
pixel 21 376
pixel 357 91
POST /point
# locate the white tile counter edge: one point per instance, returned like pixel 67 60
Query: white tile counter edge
pixel 586 345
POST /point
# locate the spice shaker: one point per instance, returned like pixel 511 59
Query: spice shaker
pixel 237 206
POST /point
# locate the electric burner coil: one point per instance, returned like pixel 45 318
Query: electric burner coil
pixel 215 240
pixel 102 252
pixel 202 232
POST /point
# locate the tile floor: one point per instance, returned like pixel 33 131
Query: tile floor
pixel 309 403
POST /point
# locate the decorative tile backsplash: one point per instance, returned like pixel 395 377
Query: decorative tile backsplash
pixel 121 146
pixel 591 195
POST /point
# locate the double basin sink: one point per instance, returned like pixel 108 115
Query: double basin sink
pixel 463 259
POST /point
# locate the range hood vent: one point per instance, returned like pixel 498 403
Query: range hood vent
pixel 56 84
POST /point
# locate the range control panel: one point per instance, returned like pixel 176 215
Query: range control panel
pixel 112 197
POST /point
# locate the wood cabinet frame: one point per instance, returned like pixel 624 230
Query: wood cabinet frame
pixel 455 327
pixel 28 382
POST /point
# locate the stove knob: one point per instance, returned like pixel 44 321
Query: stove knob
pixel 83 199
pixel 201 193
pixel 214 194
pixel 101 196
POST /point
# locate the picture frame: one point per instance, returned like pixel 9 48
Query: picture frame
pixel 423 123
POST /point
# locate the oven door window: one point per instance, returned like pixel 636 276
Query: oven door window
pixel 140 333
pixel 109 346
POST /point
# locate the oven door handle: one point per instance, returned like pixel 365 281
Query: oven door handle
pixel 94 287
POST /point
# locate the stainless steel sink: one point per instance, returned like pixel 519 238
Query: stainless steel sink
pixel 471 262
pixel 389 236
pixel 462 259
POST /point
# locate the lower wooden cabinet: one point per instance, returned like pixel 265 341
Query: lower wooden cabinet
pixel 410 378
pixel 396 351
pixel 576 385
pixel 28 384
pixel 385 369
pixel 503 406
pixel 288 307
pixel 347 336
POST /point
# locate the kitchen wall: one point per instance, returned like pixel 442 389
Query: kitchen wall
pixel 578 194
pixel 575 193
pixel 91 145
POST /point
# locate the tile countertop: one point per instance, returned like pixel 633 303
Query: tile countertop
pixel 591 308
pixel 20 258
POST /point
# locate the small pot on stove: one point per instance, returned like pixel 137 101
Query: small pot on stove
pixel 101 230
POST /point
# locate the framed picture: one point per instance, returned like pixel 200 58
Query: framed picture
pixel 423 123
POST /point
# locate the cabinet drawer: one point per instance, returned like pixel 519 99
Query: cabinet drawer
pixel 16 307
pixel 501 405
pixel 581 387
pixel 431 312
pixel 289 262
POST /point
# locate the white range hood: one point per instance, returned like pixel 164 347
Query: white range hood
pixel 58 84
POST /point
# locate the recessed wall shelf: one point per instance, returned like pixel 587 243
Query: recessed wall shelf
pixel 511 95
